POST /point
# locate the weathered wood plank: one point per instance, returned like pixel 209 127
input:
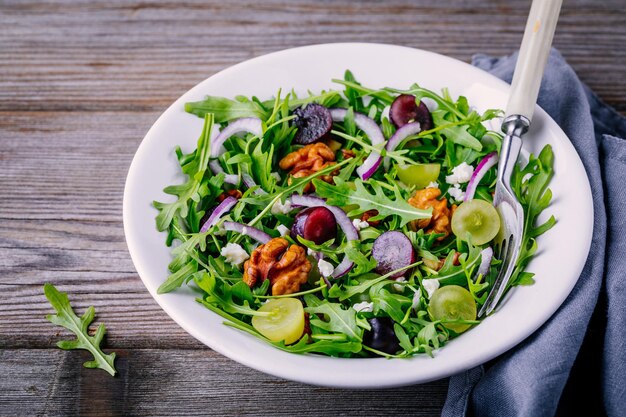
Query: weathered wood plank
pixel 184 383
pixel 124 55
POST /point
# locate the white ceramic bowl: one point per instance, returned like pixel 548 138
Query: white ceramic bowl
pixel 562 254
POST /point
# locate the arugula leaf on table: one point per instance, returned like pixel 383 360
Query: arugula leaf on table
pixel 336 319
pixel 225 110
pixel 342 194
pixel 66 317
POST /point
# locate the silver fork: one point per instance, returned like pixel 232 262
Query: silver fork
pixel 519 112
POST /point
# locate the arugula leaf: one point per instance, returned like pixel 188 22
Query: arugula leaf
pixel 220 294
pixel 457 134
pixel 225 110
pixel 534 196
pixel 342 194
pixel 336 318
pixel 189 190
pixel 66 317
pixel 329 347
pixel 450 274
pixel 390 303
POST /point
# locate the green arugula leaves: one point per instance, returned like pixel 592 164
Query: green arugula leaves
pixel 530 184
pixel 191 189
pixel 458 135
pixel 342 194
pixel 225 110
pixel 65 317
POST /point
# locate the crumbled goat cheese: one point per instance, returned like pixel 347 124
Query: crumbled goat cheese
pixel 234 254
pixel 363 307
pixel 416 299
pixel 456 192
pixel 433 184
pixel 282 229
pixel 430 285
pixel 326 268
pixel 360 224
pixel 311 252
pixel 461 174
pixel 399 287
pixel 276 175
pixel 280 208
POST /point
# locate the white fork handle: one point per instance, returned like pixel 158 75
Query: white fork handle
pixel 532 57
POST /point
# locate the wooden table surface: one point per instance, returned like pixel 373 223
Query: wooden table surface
pixel 80 84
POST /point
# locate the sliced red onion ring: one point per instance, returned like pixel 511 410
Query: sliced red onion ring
pixel 401 134
pixel 481 169
pixel 253 232
pixel 485 261
pixel 222 208
pixel 228 178
pixel 373 132
pixel 249 183
pixel 246 124
pixel 342 220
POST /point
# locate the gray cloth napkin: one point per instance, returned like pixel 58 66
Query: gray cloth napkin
pixel 572 361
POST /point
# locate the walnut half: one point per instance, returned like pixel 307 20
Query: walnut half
pixel 441 217
pixel 308 160
pixel 285 266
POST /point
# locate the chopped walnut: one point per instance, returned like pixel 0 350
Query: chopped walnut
pixel 285 266
pixel 229 193
pixel 439 222
pixel 365 217
pixel 307 161
pixel 348 153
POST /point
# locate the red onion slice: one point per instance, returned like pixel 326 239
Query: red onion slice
pixel 483 166
pixel 401 134
pixel 246 124
pixel 253 232
pixel 249 183
pixel 485 262
pixel 342 220
pixel 373 132
pixel 228 178
pixel 222 208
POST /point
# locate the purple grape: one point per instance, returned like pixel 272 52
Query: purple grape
pixel 317 224
pixel 382 336
pixel 392 250
pixel 314 123
pixel 404 109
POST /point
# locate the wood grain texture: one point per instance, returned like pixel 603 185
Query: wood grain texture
pixel 80 84
pixel 125 55
pixel 184 383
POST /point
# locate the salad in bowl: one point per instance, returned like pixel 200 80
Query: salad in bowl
pixel 352 222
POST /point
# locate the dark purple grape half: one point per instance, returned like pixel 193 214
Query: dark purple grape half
pixel 314 123
pixel 317 224
pixel 392 250
pixel 404 110
pixel 382 336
